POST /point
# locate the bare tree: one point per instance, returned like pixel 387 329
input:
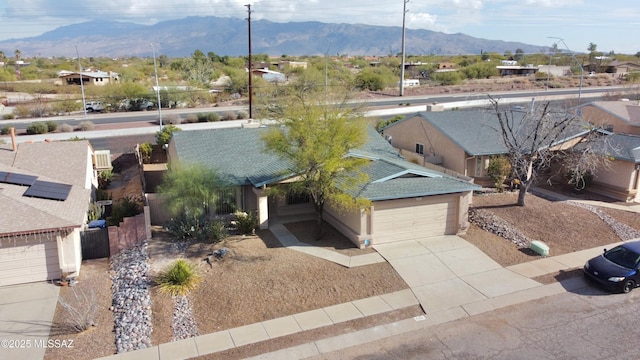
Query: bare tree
pixel 536 138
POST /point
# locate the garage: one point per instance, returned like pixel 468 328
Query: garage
pixel 28 259
pixel 414 218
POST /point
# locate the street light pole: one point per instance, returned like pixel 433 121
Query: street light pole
pixel 577 62
pixel 404 15
pixel 84 102
pixel 155 70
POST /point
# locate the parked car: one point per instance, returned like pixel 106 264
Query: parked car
pixel 136 105
pixel 92 106
pixel 616 269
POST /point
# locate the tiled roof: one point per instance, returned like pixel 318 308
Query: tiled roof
pixel 239 156
pixel 63 162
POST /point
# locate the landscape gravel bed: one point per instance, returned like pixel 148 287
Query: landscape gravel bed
pixel 184 325
pixel 131 298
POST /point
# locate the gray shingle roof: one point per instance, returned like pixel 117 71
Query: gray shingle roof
pixel 623 147
pixel 239 156
pixel 478 132
pixel 64 162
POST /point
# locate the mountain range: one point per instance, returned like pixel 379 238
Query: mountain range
pixel 229 36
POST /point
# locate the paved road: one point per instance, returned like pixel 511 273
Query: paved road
pixel 586 324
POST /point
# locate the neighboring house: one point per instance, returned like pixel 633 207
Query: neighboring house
pixel 461 141
pixel 98 78
pixel 269 75
pixel 555 70
pixel 621 68
pixel 621 117
pixel 621 179
pixel 45 191
pixel 506 70
pixel 408 201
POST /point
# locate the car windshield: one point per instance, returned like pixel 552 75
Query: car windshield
pixel 623 257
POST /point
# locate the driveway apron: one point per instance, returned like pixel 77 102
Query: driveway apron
pixel 26 313
pixel 447 271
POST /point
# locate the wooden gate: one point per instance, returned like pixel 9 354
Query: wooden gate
pixel 95 243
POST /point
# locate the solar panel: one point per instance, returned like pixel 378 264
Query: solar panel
pixel 48 190
pixel 17 179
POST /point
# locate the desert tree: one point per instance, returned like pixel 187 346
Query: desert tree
pixel 535 138
pixel 317 132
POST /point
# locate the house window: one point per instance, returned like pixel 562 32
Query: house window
pixel 297 198
pixel 479 166
pixel 225 201
pixel 419 149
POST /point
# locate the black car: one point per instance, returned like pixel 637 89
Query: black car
pixel 616 269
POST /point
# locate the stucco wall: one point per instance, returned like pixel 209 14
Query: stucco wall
pixel 599 117
pixel 405 134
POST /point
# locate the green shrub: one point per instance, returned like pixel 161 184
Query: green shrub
pixel 243 114
pixel 163 136
pixel 9 116
pixel 145 151
pixel 178 278
pixel 208 117
pixel 448 78
pixel 95 211
pixel 104 179
pixel 86 126
pixel 216 230
pixel 52 125
pixel 125 207
pixel 230 115
pixel 246 223
pixel 6 130
pixel 37 128
pixel 369 80
pixel 499 168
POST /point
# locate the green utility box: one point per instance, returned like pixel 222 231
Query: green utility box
pixel 540 247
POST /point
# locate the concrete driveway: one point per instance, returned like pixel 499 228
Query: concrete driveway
pixel 26 312
pixel 447 271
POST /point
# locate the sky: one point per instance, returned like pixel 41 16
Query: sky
pixel 611 25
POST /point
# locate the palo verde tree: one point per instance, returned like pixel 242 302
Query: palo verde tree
pixel 535 138
pixel 315 138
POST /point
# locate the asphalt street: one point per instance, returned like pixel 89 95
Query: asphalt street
pixel 585 324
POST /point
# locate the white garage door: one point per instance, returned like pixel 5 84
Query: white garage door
pixel 25 261
pixel 415 218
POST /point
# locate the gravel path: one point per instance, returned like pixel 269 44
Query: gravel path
pixel 131 298
pixel 184 326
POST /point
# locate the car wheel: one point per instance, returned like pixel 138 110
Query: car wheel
pixel 149 108
pixel 90 109
pixel 628 286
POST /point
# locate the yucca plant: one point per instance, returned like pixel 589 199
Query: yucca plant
pixel 178 278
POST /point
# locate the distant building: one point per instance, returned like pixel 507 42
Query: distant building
pixel 269 75
pixel 98 78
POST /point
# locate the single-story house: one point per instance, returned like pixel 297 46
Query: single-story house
pixel 620 116
pixel 408 200
pixel 269 75
pixel 506 70
pixel 45 191
pixel 461 141
pixel 98 78
pixel 621 179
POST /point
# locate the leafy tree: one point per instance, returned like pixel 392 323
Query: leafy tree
pixel 519 55
pixel 189 189
pixel 315 138
pixel 367 79
pixel 447 78
pixel 480 70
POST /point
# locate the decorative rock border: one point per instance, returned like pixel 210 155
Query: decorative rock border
pixel 131 304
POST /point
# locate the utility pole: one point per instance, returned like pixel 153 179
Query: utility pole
pixel 250 61
pixel 84 102
pixel 404 15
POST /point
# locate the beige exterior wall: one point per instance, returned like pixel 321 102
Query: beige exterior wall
pixel 407 133
pixel 352 224
pixel 600 117
pixel 619 181
pixel 70 253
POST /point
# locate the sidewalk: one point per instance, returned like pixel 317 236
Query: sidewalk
pixel 448 277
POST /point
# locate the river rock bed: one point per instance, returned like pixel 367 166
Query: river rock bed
pixel 184 326
pixel 131 304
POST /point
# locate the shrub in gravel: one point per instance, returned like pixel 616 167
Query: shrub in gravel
pixel 178 278
pixel 52 125
pixel 80 311
pixel 37 128
pixel 216 230
pixel 246 223
pixel 66 128
pixel 6 130
pixel 86 126
pixel 243 114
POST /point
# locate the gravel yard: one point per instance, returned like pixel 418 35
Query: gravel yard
pixel 260 280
